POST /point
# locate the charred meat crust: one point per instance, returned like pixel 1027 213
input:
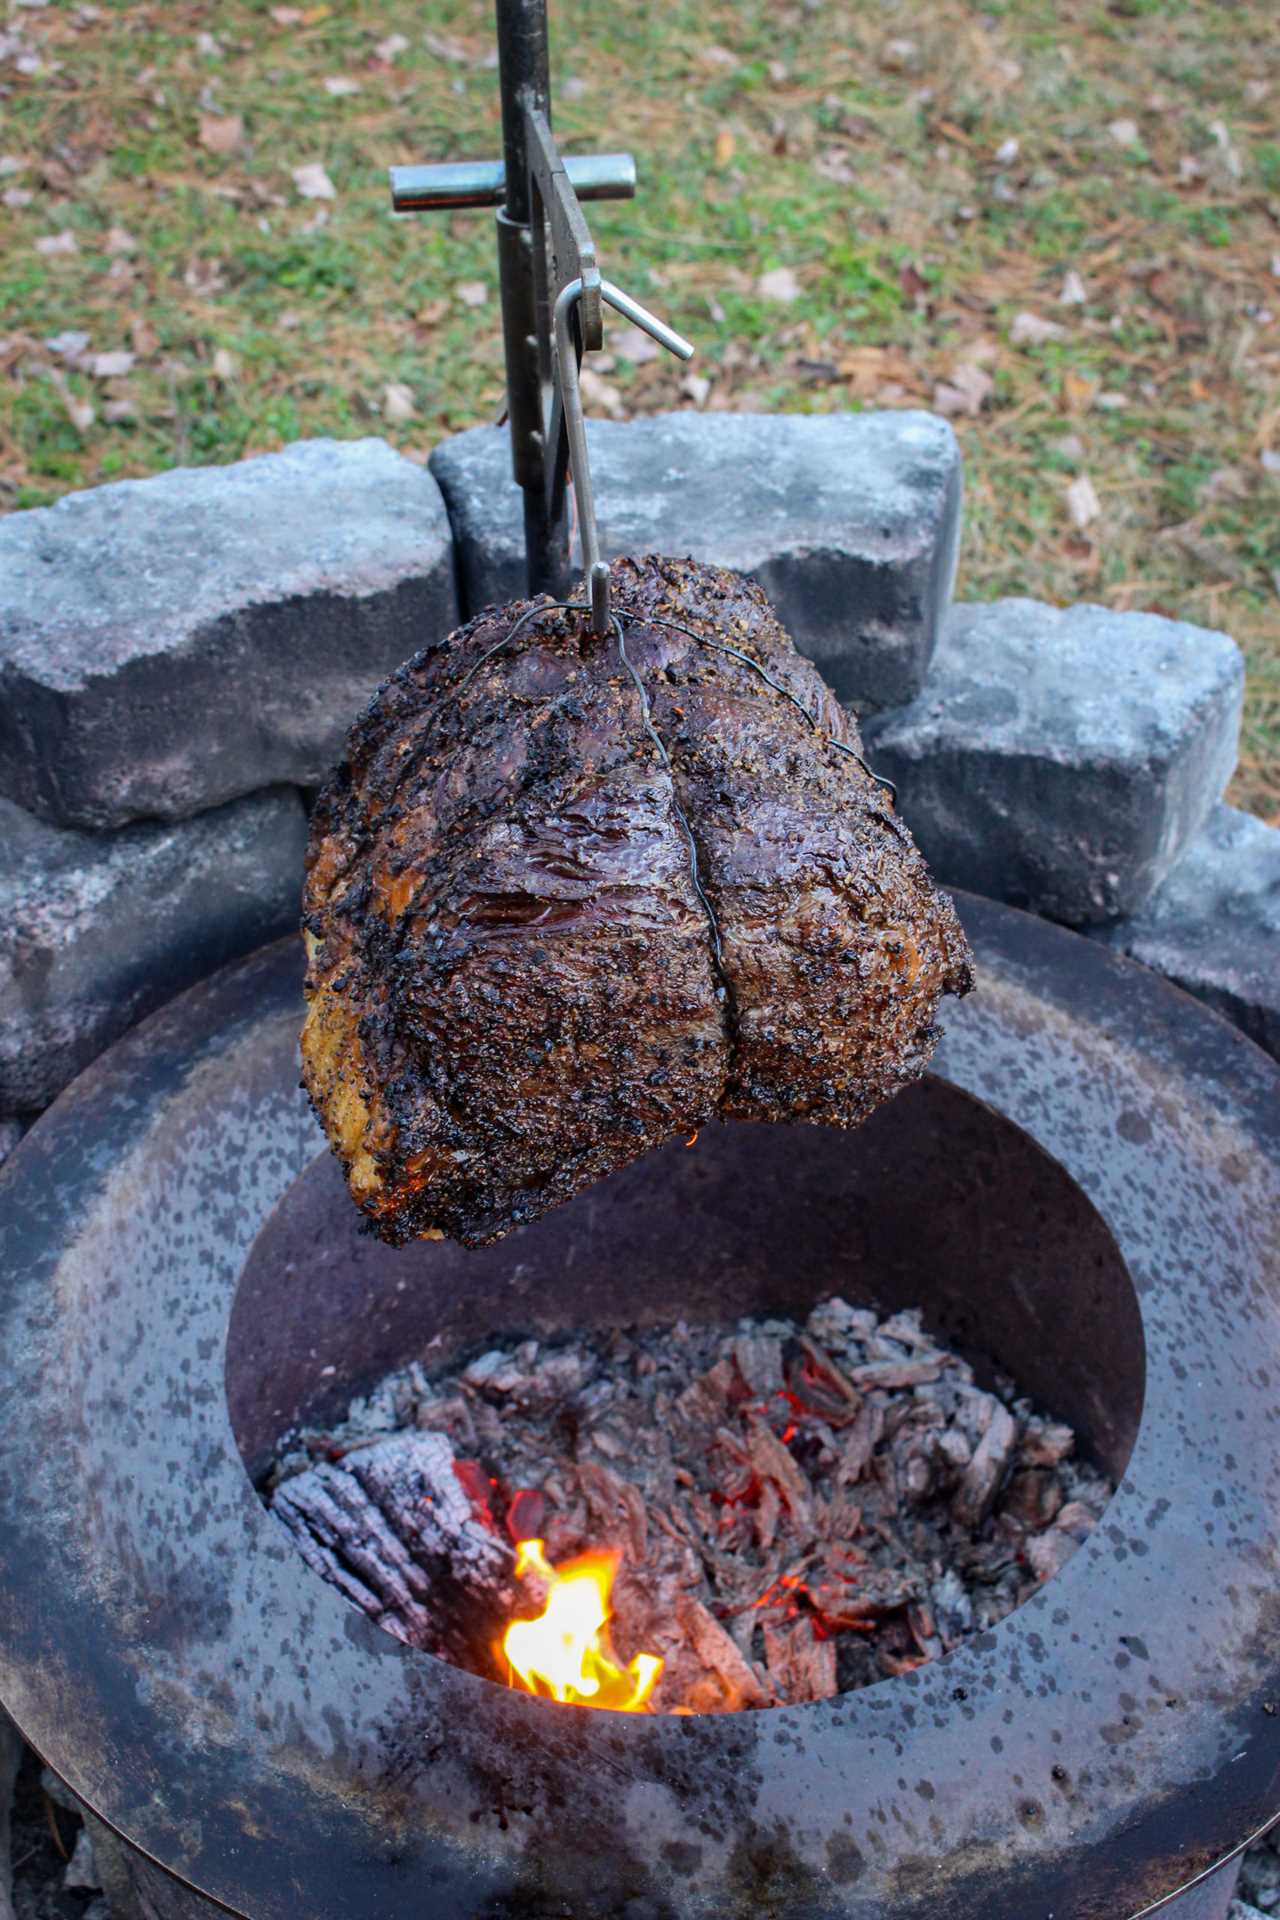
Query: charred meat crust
pixel 519 981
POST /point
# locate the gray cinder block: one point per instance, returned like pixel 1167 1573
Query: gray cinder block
pixel 98 929
pixel 1213 927
pixel 1061 759
pixel 172 643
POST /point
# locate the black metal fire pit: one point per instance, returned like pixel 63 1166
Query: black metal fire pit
pixel 1085 1190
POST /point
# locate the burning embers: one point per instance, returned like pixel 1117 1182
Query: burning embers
pixel 693 1520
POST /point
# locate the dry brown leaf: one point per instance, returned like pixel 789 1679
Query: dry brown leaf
pixel 1083 503
pixel 313 183
pixel 472 293
pixel 339 86
pixel 397 403
pixel 900 56
pixel 1029 330
pixel 445 47
pixel 110 366
pixel 79 411
pixel 69 345
pixel 967 391
pixel 225 365
pixel 53 244
pixel 221 133
pixel 598 393
pixel 1077 393
pixel 779 283
pixel 725 145
pixel 833 163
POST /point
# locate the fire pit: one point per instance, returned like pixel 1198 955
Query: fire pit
pixel 1083 1194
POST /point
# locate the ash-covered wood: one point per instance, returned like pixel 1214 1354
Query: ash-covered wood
pixel 401 1532
pixel 799 1510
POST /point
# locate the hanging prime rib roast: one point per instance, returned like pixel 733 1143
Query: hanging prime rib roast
pixel 571 896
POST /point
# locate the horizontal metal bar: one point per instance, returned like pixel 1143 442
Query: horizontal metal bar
pixel 482 183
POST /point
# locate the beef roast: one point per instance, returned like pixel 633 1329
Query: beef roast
pixel 569 896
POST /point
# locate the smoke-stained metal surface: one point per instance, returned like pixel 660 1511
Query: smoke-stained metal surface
pixel 165 1648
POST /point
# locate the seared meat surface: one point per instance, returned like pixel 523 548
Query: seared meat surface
pixel 568 897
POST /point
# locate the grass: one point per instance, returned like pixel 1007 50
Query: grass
pixel 926 172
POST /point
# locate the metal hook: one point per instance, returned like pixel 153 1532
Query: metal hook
pixel 597 570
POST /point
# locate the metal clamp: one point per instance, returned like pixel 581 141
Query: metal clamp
pixel 552 293
pixel 567 404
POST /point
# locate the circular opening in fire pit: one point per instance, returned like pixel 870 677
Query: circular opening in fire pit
pixel 938 1204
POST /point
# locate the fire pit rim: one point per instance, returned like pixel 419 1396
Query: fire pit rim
pixel 1163 1025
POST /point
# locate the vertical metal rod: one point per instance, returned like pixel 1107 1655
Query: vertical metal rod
pixel 525 82
pixel 524 75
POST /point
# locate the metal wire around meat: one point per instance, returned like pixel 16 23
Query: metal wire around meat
pixel 646 716
pixel 543 606
pixel 716 646
pixel 734 653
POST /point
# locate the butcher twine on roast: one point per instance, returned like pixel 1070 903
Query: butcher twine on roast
pixel 571 896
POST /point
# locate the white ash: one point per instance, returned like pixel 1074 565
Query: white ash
pixel 801 1509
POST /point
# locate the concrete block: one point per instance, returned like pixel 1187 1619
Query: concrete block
pixel 1213 927
pixel 1062 759
pixel 96 930
pixel 172 643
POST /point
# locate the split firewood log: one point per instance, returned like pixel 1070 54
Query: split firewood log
pixel 569 897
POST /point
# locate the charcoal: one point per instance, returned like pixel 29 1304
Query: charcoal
pixel 773 1462
pixel 891 1374
pixel 391 1526
pixel 816 1381
pixel 1035 1498
pixel 1045 1443
pixel 1260 1873
pixel 838 1325
pixel 981 1479
pixel 796 1511
pixel 719 1652
pixel 759 1361
pixel 952 1608
pixel 801 1667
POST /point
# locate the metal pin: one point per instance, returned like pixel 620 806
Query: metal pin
pixel 598 589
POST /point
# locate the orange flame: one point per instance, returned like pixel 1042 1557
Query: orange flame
pixel 564 1652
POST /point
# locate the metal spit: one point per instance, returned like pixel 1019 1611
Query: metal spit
pixel 553 296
